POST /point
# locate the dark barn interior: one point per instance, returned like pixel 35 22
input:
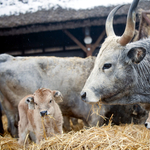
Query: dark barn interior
pixel 51 43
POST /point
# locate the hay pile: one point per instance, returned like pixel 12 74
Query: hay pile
pixel 106 137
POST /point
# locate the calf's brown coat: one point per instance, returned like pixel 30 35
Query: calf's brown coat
pixel 40 113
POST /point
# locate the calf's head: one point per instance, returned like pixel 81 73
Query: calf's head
pixel 43 101
pixel 114 75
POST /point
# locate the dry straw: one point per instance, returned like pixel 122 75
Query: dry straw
pixel 123 137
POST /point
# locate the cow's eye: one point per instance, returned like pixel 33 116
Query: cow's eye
pixel 106 66
pixel 50 101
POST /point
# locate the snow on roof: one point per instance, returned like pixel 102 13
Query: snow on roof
pixel 15 7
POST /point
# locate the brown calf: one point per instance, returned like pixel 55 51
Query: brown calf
pixel 39 113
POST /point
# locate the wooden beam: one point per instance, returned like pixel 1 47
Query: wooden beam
pixel 85 49
pixel 11 29
pixel 75 40
pixel 89 50
pixel 98 40
pixel 144 14
pixel 144 18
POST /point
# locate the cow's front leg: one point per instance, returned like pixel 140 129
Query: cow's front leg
pixel 22 135
pixel 50 131
pixel 39 135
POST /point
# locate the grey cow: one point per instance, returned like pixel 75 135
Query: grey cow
pixel 121 73
pixel 20 76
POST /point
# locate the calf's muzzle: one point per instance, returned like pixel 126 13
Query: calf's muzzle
pixel 43 113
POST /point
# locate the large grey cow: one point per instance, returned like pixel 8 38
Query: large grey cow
pixel 121 74
pixel 20 76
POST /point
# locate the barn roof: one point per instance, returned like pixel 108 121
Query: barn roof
pixel 60 18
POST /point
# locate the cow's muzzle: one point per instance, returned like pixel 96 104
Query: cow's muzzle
pixel 89 96
pixel 43 113
pixel 83 96
pixel 147 125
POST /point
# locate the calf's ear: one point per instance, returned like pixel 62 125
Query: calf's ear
pixel 30 102
pixel 57 96
pixel 137 54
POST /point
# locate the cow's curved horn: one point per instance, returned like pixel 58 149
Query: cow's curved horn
pixel 130 25
pixel 109 21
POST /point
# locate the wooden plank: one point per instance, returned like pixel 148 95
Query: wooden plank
pixel 75 40
pixel 85 49
pixel 144 14
pixel 143 19
pixel 34 28
pixel 98 40
pixel 89 52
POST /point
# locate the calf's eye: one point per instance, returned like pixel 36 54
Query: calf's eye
pixel 107 66
pixel 50 101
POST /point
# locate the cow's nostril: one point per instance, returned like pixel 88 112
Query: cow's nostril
pixel 83 95
pixel 43 113
pixel 146 125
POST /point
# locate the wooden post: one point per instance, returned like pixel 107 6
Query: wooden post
pixel 98 40
pixel 89 50
pixel 144 18
pixel 144 15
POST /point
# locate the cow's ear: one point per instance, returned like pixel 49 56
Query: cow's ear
pixel 136 55
pixel 57 96
pixel 30 102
